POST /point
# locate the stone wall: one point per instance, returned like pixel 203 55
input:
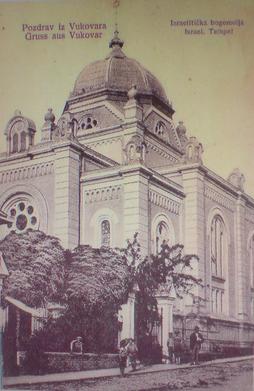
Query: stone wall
pixel 58 362
pixel 65 362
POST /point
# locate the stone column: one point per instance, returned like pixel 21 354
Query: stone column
pixel 165 309
pixel 67 193
pixel 127 316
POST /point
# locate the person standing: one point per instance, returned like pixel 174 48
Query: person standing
pixel 177 347
pixel 122 359
pixel 196 340
pixel 170 345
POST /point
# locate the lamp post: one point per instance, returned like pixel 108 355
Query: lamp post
pixel 3 274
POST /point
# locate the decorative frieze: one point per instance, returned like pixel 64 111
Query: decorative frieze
pixel 219 198
pixel 33 171
pixel 161 152
pixel 164 202
pixel 102 194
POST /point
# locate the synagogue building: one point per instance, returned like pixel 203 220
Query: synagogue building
pixel 115 163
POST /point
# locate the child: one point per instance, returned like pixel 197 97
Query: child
pixel 132 351
pixel 122 359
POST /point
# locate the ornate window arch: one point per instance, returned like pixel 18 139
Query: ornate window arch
pixel 162 232
pixel 218 245
pixel 104 223
pixel 25 209
pixel 23 213
pixel 105 233
pixel 218 257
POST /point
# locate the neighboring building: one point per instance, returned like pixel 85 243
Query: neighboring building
pixel 115 164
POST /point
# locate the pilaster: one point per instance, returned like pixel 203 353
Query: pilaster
pixel 194 221
pixel 67 193
pixel 241 257
pixel 135 207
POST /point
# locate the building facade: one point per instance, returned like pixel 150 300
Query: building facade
pixel 114 164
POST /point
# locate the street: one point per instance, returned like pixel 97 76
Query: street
pixel 214 377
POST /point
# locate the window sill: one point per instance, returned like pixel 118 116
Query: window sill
pixel 218 279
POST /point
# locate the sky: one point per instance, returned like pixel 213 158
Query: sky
pixel 209 76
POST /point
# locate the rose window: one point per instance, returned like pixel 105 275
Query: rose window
pixel 23 215
pixel 88 123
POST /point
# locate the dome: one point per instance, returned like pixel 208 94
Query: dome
pixel 117 72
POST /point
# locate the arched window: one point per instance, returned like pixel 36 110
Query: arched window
pixel 15 143
pixel 160 128
pixel 162 235
pixel 217 245
pixel 218 259
pixel 105 233
pixel 23 141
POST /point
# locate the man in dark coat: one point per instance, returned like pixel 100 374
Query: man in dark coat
pixel 196 340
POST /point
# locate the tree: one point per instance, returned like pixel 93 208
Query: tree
pixel 169 270
pixel 97 278
pixel 36 263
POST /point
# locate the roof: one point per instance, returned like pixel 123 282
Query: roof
pixel 117 72
pixel 23 307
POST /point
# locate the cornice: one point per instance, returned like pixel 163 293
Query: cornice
pixel 218 197
pixel 31 171
pixel 102 194
pixel 164 202
pixel 124 171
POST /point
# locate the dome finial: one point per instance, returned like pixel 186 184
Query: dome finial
pixel 116 41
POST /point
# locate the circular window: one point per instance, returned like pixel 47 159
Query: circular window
pixel 23 215
pixel 21 222
pixel 30 209
pixel 21 206
pixel 33 220
pixel 13 212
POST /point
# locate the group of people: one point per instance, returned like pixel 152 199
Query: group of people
pixel 128 349
pixel 176 347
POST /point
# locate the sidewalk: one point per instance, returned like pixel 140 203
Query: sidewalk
pixel 102 373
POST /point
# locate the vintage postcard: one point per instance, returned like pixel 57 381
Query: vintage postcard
pixel 127 194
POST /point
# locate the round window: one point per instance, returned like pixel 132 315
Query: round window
pixel 23 215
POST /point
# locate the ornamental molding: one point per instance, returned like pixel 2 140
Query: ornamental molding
pixel 102 194
pixel 17 174
pixel 219 198
pixel 164 202
pixel 104 142
pixel 161 153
